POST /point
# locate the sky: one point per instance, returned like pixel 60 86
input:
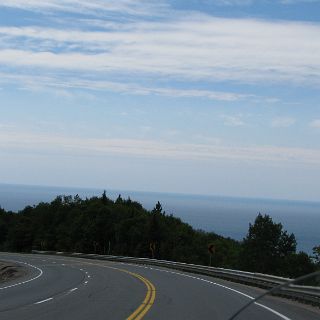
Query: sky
pixel 186 96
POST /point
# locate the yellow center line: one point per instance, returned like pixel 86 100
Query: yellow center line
pixel 135 315
pixel 150 303
pixel 149 299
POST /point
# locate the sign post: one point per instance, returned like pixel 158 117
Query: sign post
pixel 152 249
pixel 212 251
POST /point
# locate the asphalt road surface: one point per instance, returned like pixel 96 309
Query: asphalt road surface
pixel 58 288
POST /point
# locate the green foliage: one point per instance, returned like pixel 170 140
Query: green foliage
pixel 316 252
pixel 100 225
pixel 267 248
pixel 297 264
pixel 123 227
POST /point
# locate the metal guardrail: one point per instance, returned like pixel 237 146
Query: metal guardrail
pixel 305 294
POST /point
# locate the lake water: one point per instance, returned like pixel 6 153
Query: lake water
pixel 227 216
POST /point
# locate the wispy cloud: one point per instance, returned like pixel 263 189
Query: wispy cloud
pixel 23 142
pixel 96 7
pixel 196 47
pixel 297 1
pixel 133 7
pixel 315 123
pixel 229 2
pixel 233 121
pixel 34 82
pixel 283 122
pixel 251 2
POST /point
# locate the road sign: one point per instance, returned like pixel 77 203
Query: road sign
pixel 211 248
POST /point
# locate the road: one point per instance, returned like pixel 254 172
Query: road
pixel 58 288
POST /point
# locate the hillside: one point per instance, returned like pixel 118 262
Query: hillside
pixel 123 227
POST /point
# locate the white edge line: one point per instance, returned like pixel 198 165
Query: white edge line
pixel 219 285
pixel 178 273
pixel 42 301
pixel 273 311
pixel 26 281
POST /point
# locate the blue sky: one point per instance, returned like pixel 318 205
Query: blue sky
pixel 205 97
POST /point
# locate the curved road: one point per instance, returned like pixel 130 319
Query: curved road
pixel 59 288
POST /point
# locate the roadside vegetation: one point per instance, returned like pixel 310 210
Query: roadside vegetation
pixel 123 227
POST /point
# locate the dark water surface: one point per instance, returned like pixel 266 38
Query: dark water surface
pixel 227 216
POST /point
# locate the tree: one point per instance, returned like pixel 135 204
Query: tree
pixel 266 246
pixel 157 209
pixel 119 200
pixel 104 197
pixel 316 252
pixel 4 225
pixel 120 227
pixel 155 230
pixel 297 264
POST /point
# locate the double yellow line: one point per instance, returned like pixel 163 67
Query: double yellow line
pixel 148 300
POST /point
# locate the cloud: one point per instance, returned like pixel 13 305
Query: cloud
pixel 62 85
pixel 229 2
pixel 26 142
pixel 96 7
pixel 193 48
pixel 288 2
pixel 233 121
pixel 251 2
pixel 132 7
pixel 315 124
pixel 283 122
pixel 6 126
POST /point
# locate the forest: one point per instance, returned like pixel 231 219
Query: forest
pixel 123 227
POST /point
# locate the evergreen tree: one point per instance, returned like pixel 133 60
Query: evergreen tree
pixel 316 252
pixel 266 245
pixel 124 227
pixel 104 197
